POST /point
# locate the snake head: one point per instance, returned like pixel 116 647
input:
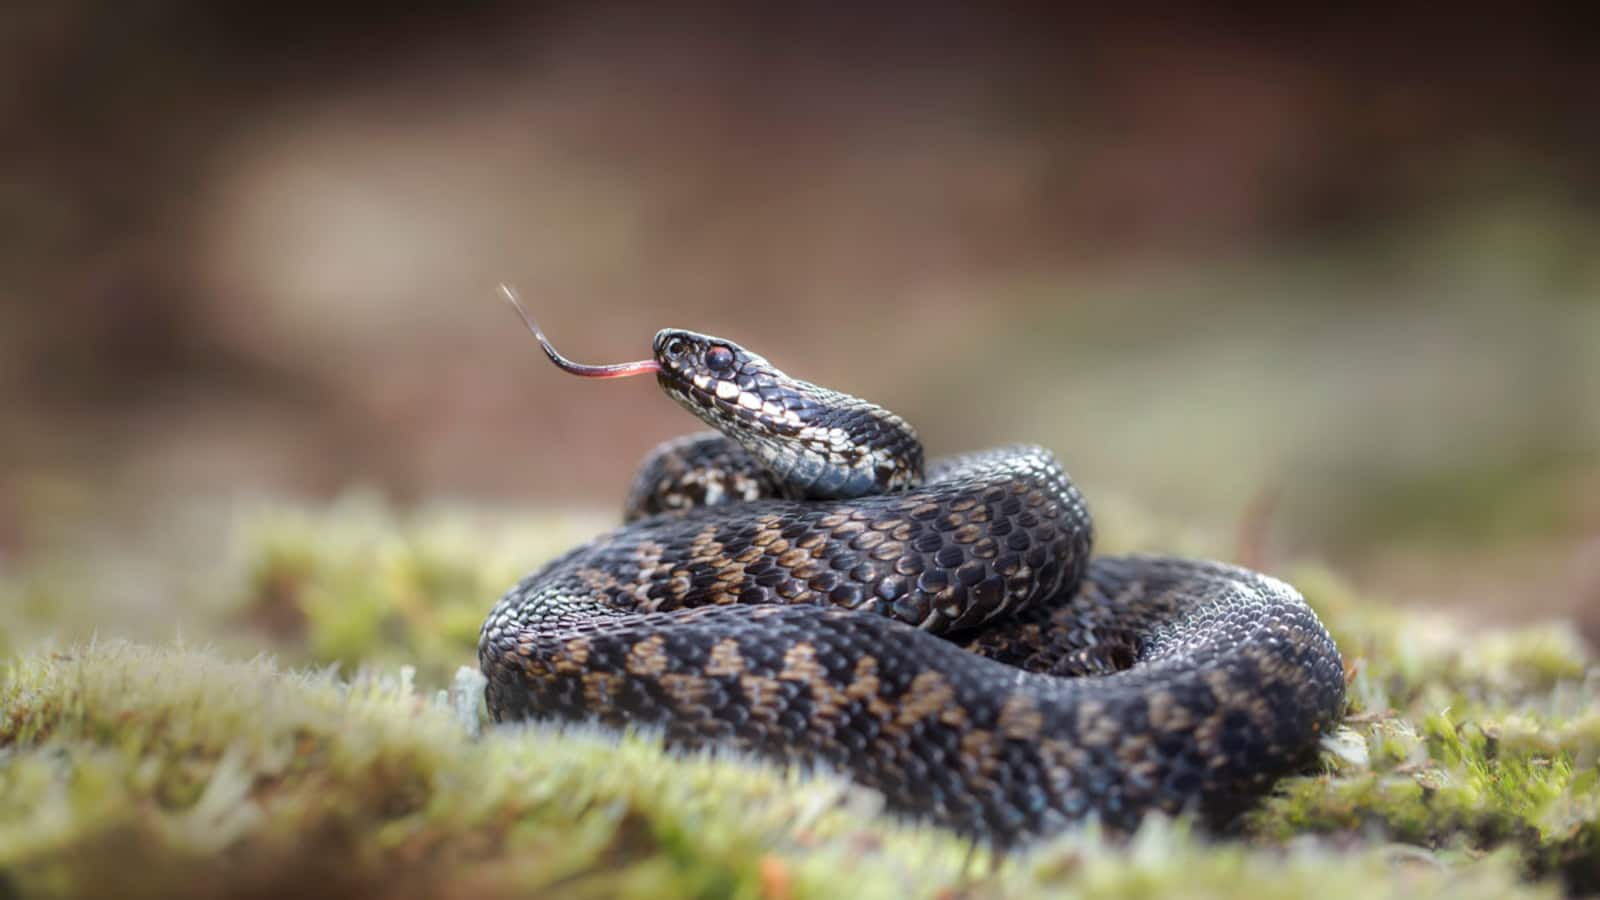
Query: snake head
pixel 714 375
pixel 691 357
pixel 820 444
pixel 730 388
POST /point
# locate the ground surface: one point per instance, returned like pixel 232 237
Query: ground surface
pixel 348 762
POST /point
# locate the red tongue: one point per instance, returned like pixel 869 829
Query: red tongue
pixel 615 370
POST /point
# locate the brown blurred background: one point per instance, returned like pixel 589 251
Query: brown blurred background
pixel 1335 281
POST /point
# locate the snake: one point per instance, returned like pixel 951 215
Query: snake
pixel 798 586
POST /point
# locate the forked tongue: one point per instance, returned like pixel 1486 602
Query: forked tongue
pixel 615 370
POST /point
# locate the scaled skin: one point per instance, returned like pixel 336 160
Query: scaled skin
pixel 947 642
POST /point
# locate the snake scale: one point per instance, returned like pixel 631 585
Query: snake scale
pixel 795 586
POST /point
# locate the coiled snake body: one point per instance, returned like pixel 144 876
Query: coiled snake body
pixel 793 586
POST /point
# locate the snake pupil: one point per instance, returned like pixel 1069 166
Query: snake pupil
pixel 719 357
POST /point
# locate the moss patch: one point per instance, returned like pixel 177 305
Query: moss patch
pixel 1467 768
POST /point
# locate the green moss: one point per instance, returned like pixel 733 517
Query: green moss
pixel 1461 740
pixel 358 584
pixel 1467 768
pixel 178 769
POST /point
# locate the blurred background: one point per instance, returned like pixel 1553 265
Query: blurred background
pixel 1329 288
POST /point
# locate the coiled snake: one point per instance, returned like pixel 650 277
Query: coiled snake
pixel 793 586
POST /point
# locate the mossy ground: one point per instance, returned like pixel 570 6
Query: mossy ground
pixel 349 762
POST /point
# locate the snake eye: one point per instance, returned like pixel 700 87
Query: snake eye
pixel 719 357
pixel 676 348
